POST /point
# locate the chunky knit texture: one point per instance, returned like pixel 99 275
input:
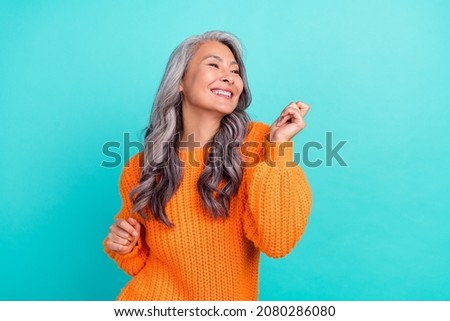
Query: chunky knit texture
pixel 202 258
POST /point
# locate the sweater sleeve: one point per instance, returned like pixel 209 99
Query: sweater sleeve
pixel 278 198
pixel 133 262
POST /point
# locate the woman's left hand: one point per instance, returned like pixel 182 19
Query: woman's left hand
pixel 289 123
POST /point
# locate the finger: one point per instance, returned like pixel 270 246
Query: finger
pixel 291 108
pixel 126 226
pixel 136 226
pixel 282 120
pixel 290 113
pixel 303 107
pixel 119 240
pixel 294 112
pixel 293 118
pixel 138 230
pixel 119 232
pixel 118 248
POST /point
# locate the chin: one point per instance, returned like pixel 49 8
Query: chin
pixel 225 109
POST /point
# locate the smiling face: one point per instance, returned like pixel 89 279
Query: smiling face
pixel 212 82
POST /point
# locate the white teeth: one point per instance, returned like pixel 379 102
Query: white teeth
pixel 222 92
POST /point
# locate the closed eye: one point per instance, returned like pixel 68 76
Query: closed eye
pixel 236 71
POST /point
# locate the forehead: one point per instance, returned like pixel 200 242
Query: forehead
pixel 213 48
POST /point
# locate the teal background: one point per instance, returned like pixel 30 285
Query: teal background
pixel 77 74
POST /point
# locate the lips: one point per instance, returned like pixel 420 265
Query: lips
pixel 222 92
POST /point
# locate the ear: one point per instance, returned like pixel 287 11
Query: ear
pixel 180 87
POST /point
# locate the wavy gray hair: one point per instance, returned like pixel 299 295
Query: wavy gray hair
pixel 162 171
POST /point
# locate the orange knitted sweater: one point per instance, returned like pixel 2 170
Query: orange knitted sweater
pixel 202 258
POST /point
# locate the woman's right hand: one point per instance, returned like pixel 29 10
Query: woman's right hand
pixel 123 235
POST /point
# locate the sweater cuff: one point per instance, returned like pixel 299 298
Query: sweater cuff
pixel 279 153
pixel 135 252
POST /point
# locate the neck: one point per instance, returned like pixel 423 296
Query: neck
pixel 199 128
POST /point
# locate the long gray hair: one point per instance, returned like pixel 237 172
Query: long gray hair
pixel 161 172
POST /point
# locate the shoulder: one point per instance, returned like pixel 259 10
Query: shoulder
pixel 135 161
pixel 257 132
pixel 131 171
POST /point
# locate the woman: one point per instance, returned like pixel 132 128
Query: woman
pixel 211 189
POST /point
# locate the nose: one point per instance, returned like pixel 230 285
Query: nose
pixel 228 77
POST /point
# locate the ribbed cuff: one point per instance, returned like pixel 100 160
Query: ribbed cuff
pixel 278 152
pixel 135 252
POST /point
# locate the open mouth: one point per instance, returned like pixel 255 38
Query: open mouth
pixel 222 93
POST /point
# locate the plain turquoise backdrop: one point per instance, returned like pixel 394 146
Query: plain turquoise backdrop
pixel 75 75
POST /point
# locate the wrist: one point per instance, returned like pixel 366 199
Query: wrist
pixel 279 139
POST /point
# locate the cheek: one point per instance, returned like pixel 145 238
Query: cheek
pixel 240 86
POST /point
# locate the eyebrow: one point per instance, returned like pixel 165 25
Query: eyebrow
pixel 220 59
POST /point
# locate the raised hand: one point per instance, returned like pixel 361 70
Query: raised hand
pixel 289 123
